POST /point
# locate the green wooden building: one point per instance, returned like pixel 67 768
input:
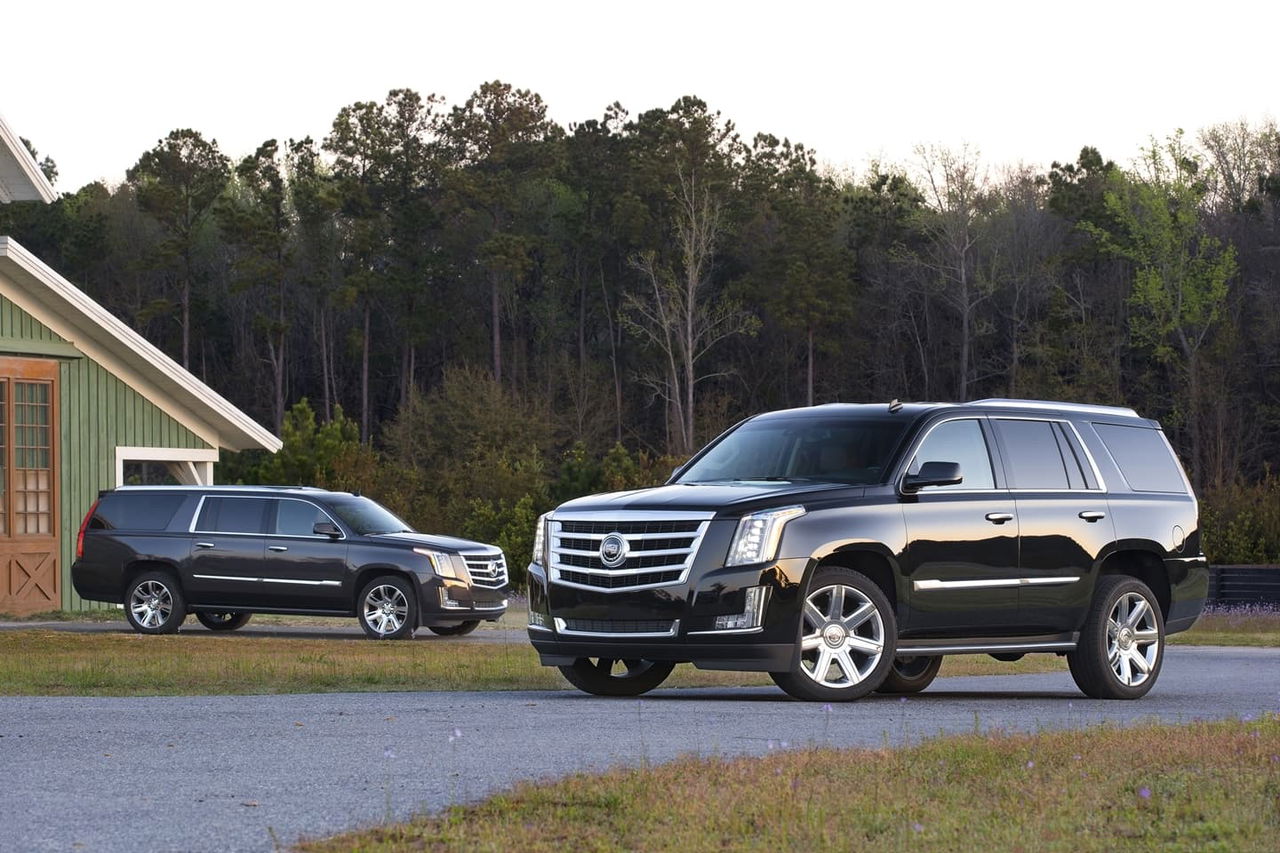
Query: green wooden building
pixel 82 395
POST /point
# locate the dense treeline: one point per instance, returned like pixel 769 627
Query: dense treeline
pixel 497 301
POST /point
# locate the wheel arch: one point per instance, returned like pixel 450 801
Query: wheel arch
pixel 1142 561
pixel 872 559
pixel 139 567
pixel 369 572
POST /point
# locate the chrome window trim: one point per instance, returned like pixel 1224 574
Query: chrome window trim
pixel 1088 454
pixel 562 629
pixel 991 583
pixel 266 497
pixel 293 581
pixel 1093 465
pixel 933 490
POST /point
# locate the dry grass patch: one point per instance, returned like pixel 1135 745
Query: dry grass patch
pixel 1209 786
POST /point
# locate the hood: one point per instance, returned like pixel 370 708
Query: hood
pixel 440 543
pixel 704 496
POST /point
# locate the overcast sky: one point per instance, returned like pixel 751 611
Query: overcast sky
pixel 95 84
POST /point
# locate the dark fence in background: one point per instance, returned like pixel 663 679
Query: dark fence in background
pixel 1231 586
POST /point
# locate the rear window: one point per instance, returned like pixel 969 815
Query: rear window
pixel 1143 457
pixel 136 511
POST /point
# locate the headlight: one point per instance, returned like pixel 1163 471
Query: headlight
pixel 541 540
pixel 758 535
pixel 441 563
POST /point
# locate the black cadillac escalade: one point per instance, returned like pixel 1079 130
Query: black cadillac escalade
pixel 846 548
pixel 225 552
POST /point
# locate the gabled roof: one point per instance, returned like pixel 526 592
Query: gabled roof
pixel 20 175
pixel 99 334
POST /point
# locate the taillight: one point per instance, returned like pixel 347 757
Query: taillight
pixel 83 525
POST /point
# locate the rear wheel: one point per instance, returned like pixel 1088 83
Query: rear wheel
pixel 461 629
pixel 386 608
pixel 911 674
pixel 222 621
pixel 1122 643
pixel 847 638
pixel 615 677
pixel 154 603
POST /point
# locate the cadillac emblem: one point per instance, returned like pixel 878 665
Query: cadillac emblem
pixel 613 550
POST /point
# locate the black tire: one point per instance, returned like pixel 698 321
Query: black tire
pixel 459 630
pixel 387 608
pixel 597 676
pixel 846 624
pixel 911 674
pixel 1122 643
pixel 216 620
pixel 154 603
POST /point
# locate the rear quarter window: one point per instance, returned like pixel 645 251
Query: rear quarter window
pixel 1143 457
pixel 142 511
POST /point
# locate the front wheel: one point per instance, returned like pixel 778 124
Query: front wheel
pixel 911 674
pixel 847 639
pixel 222 621
pixel 459 630
pixel 613 677
pixel 387 609
pixel 1122 643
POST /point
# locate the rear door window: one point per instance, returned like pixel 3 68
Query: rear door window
pixel 232 515
pixel 1143 457
pixel 958 441
pixel 1033 455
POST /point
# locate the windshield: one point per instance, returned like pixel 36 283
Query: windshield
pixel 829 450
pixel 368 518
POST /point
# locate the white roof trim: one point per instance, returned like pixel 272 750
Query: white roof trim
pixel 102 336
pixel 36 186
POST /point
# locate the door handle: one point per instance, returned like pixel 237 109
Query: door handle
pixel 999 517
pixel 204 544
pixel 1093 515
pixel 277 548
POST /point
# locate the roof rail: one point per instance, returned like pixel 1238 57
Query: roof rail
pixel 1049 405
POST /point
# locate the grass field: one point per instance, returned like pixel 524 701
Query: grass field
pixel 46 662
pixel 1213 786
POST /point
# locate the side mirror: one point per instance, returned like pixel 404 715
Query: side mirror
pixel 933 474
pixel 326 528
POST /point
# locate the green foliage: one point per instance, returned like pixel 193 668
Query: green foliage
pixel 313 453
pixel 1241 522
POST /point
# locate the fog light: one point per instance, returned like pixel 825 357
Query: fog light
pixel 539 620
pixel 752 616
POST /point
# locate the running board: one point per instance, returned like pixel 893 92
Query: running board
pixel 990 645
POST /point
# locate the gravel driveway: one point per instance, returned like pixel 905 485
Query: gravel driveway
pixel 254 772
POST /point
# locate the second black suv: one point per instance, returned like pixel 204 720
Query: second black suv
pixel 847 548
pixel 229 551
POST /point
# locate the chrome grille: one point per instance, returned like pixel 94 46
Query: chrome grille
pixel 660 548
pixel 487 570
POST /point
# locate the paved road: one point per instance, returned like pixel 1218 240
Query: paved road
pixel 251 772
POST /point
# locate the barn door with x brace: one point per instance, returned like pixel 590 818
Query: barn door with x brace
pixel 29 573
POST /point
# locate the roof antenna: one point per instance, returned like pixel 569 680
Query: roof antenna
pixel 895 405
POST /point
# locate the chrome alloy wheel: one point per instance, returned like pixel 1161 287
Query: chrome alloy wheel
pixel 843 636
pixel 1133 639
pixel 385 609
pixel 151 604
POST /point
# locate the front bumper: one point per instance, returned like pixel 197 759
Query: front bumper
pixel 452 601
pixel 671 623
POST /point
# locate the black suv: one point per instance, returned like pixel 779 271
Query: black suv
pixel 225 552
pixel 846 548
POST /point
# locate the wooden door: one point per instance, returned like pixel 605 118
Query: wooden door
pixel 30 577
